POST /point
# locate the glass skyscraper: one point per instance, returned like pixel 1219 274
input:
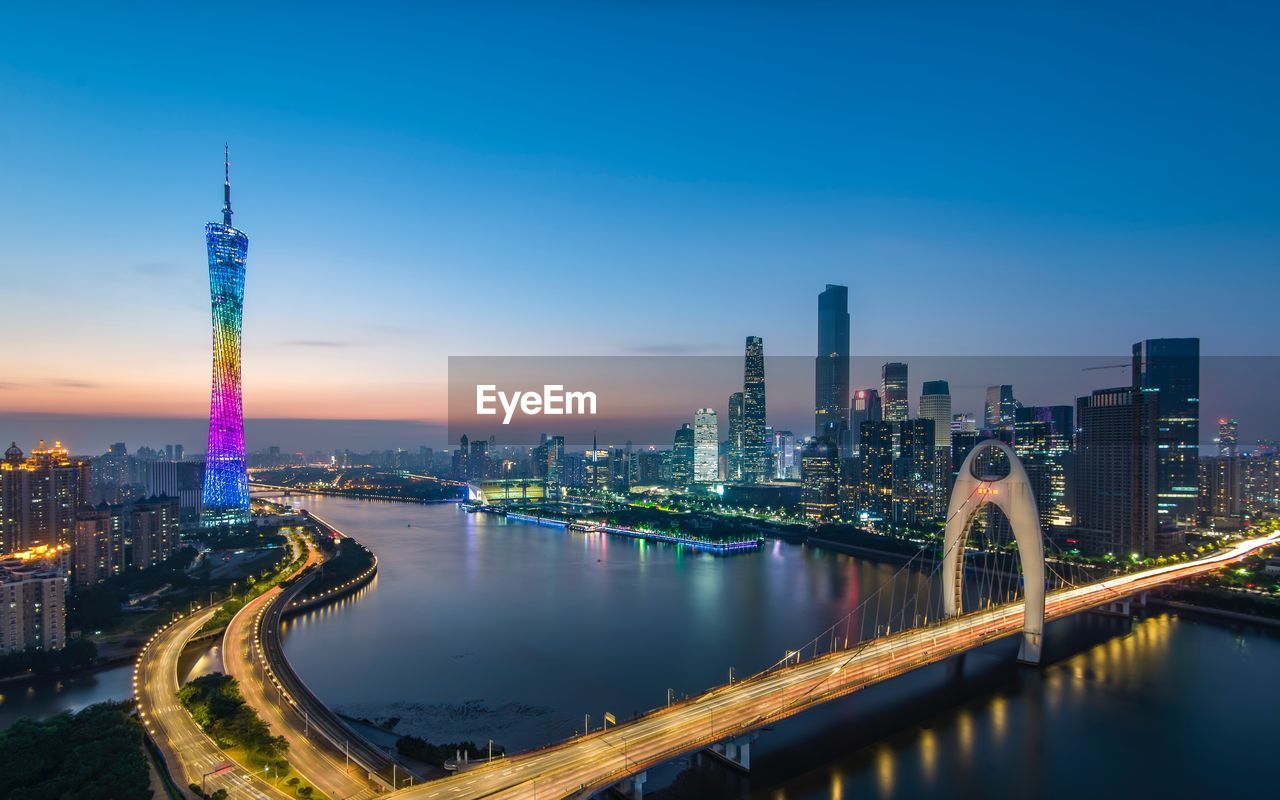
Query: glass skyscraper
pixel 893 391
pixel 831 368
pixel 225 496
pixel 754 448
pixel 1171 367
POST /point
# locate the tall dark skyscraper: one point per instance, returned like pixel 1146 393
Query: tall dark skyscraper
pixel 893 391
pixel 831 368
pixel 1172 368
pixel 754 448
pixel 682 456
pixel 225 497
pixel 1116 465
pixel 733 457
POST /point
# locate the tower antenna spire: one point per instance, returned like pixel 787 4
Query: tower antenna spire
pixel 226 186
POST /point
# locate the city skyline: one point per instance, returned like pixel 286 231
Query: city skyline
pixel 1074 197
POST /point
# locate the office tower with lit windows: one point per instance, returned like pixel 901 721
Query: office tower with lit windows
pixel 915 490
pixel 875 467
pixel 733 454
pixel 1171 367
pixel 820 481
pixel 1000 408
pixel 864 408
pixel 706 446
pixel 893 392
pixel 935 404
pixel 1043 439
pixel 682 456
pixel 831 367
pixel 1116 466
pixel 1228 437
pixel 754 448
pixel 784 455
pixel 225 497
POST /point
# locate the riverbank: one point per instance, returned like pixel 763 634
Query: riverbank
pixel 575 526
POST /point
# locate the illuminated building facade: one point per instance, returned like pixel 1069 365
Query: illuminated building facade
pixel 820 479
pixel 733 452
pixel 33 591
pixel 1228 437
pixel 754 447
pixel 893 391
pixel 225 496
pixel 935 404
pixel 706 446
pixel 39 496
pixel 864 408
pixel 1000 407
pixel 831 367
pixel 1171 369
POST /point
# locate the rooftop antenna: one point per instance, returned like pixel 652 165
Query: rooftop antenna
pixel 226 186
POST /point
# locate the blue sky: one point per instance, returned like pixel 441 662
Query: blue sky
pixel 622 178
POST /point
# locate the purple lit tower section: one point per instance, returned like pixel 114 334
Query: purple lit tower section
pixel 226 484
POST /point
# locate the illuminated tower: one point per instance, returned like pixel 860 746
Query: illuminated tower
pixel 226 484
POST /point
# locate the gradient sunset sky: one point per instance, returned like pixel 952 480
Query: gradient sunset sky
pixel 599 179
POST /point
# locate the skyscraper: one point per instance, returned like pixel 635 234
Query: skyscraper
pixel 820 482
pixel 1172 367
pixel 1000 408
pixel 225 498
pixel 893 391
pixel 706 446
pixel 1115 482
pixel 682 456
pixel 935 404
pixel 864 408
pixel 733 458
pixel 754 448
pixel 1228 437
pixel 831 367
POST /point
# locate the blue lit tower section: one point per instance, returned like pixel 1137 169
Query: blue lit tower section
pixel 226 484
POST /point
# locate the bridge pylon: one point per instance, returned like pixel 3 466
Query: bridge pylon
pixel 1012 494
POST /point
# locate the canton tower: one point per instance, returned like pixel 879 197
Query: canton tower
pixel 226 484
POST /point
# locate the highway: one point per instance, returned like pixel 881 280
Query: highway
pixel 602 758
pixel 188 752
pixel 242 659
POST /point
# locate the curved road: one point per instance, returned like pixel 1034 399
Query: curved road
pixel 242 659
pixel 188 753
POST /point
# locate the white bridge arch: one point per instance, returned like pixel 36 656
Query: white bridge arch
pixel 1012 494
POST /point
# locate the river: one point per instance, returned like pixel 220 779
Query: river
pixel 479 628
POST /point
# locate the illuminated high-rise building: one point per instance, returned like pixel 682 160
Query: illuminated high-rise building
pixel 1001 407
pixel 1228 437
pixel 754 448
pixel 706 446
pixel 935 404
pixel 893 391
pixel 864 408
pixel 225 498
pixel 831 368
pixel 1171 369
pixel 733 455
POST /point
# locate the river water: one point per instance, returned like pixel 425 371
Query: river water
pixel 479 628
